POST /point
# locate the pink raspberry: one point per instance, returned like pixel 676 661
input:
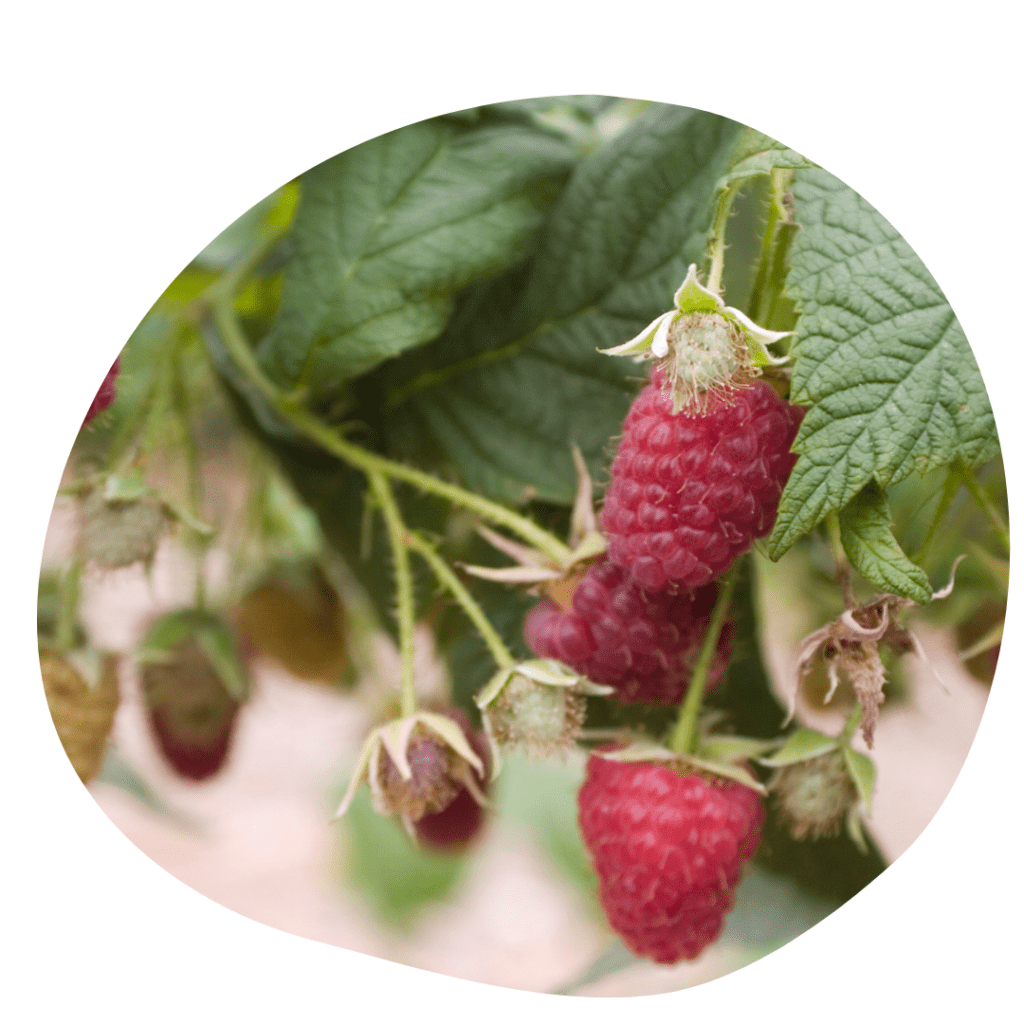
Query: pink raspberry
pixel 106 394
pixel 668 849
pixel 691 491
pixel 643 644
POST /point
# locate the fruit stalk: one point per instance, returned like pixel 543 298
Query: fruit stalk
pixel 234 341
pixel 403 587
pixel 447 578
pixel 684 736
pixel 985 503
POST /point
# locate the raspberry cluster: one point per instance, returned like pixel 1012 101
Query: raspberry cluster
pixel 643 644
pixel 690 491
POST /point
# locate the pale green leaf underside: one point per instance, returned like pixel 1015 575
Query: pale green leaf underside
pixel 865 529
pixel 757 154
pixel 510 390
pixel 879 358
pixel 387 232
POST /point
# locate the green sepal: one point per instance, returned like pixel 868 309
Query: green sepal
pixel 862 770
pixel 802 745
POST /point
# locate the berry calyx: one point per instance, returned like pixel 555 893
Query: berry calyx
pixel 814 796
pixel 535 706
pixel 702 348
pixel 690 492
pixel 115 533
pixel 418 765
pixel 668 847
pixel 642 644
pixel 459 824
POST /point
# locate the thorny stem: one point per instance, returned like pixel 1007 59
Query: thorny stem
pixel 842 563
pixel 466 601
pixel 67 606
pixel 684 736
pixel 363 460
pixel 717 241
pixel 403 587
pixel 985 503
pixel 193 469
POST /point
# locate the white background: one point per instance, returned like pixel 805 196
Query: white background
pixel 136 132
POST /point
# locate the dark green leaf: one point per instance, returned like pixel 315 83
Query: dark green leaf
pixel 517 378
pixel 387 232
pixel 879 358
pixel 865 529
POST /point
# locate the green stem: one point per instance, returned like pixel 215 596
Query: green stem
pixel 446 576
pixel 403 588
pixel 985 503
pixel 949 489
pixel 684 736
pixel 67 606
pixel 851 725
pixel 239 349
pixel 716 243
pixel 764 264
pixel 193 470
pixel 843 577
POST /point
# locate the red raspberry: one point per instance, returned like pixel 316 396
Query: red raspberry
pixel 668 849
pixel 691 491
pixel 106 394
pixel 459 823
pixel 643 644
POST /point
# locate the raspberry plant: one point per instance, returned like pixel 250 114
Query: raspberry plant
pixel 440 352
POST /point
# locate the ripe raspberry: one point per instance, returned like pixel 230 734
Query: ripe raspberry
pixel 191 713
pixel 690 491
pixel 83 715
pixel 106 394
pixel 458 824
pixel 643 644
pixel 668 849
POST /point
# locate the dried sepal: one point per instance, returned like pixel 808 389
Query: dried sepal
pixel 416 766
pixel 849 645
pixel 537 568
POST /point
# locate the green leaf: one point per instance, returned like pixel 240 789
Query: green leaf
pixel 387 232
pixel 396 878
pixel 879 358
pixel 862 771
pixel 865 529
pixel 756 155
pixel 801 746
pixel 541 796
pixel 517 378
